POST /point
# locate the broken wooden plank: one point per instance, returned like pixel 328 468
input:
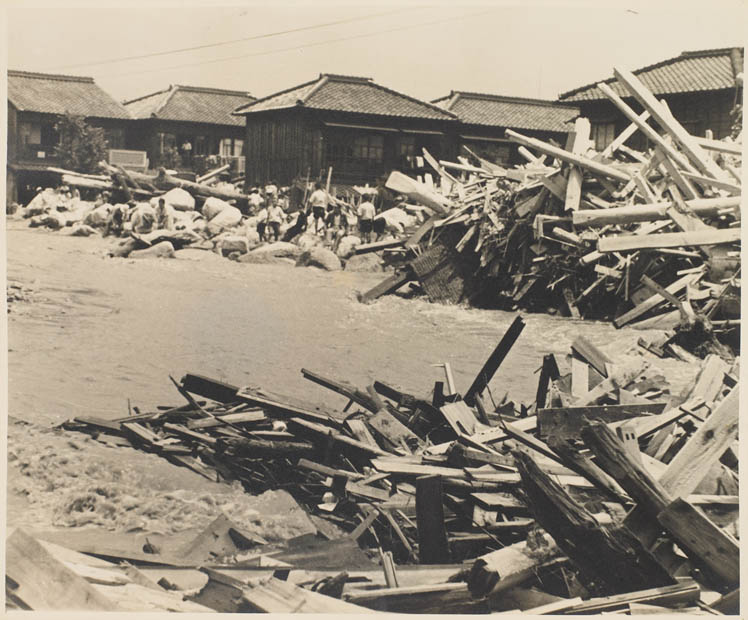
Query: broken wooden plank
pixel 432 534
pixel 566 422
pixel 492 364
pixel 389 285
pixel 621 243
pixel 651 302
pixel 571 158
pixel 271 595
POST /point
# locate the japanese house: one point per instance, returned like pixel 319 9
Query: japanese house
pixel 484 118
pixel 35 102
pixel 361 129
pixel 701 88
pixel 189 127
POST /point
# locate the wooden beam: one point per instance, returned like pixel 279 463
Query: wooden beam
pixel 651 212
pixel 651 302
pixel 622 243
pixel 576 176
pixel 492 364
pixel 433 547
pixel 571 158
pixel 666 120
pixel 621 138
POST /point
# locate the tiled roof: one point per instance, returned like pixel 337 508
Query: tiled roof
pixel 690 72
pixel 514 112
pixel 60 94
pixel 343 93
pixel 192 104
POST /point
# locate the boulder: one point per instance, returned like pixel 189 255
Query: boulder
pixel 196 255
pixel 98 217
pixel 347 245
pixel 123 248
pixel 308 240
pixel 233 243
pixel 178 199
pixel 367 263
pixel 253 238
pixel 264 259
pixel 278 249
pixel 319 257
pixel 82 230
pixel 228 218
pixel 53 220
pixel 213 206
pixel 164 249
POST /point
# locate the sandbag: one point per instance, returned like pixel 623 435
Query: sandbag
pixel 178 199
pixel 164 249
pixel 213 206
pixel 319 257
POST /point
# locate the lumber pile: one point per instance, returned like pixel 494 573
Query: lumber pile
pixel 606 494
pixel 640 238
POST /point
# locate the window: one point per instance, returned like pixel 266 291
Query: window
pixel 370 148
pixel 201 145
pixel 407 146
pixel 30 133
pixel 115 137
pixel 166 141
pixel 602 134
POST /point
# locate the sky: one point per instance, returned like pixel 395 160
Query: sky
pixel 533 48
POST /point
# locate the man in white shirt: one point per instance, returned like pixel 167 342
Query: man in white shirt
pixel 164 216
pixel 318 202
pixel 366 213
pixel 275 218
pixel 255 200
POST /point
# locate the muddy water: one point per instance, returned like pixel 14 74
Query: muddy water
pixel 95 331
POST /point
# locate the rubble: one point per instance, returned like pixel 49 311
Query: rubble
pixel 607 493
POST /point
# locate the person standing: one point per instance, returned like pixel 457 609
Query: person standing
pixel 275 218
pixel 255 200
pixel 318 203
pixel 262 221
pixel 366 213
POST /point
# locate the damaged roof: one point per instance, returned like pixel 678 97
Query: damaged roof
pixel 193 104
pixel 514 112
pixel 695 71
pixel 342 93
pixel 48 93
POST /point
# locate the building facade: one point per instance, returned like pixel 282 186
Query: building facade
pixel 359 128
pixel 701 88
pixel 35 103
pixel 189 128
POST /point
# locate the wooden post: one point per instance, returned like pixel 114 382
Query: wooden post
pixel 494 361
pixel 576 176
pixel 433 547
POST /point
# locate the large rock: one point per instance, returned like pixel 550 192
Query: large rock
pixel 178 199
pixel 53 220
pixel 98 217
pixel 81 230
pixel 308 240
pixel 161 250
pixel 233 243
pixel 124 247
pixel 319 257
pixel 366 263
pixel 279 249
pixel 347 245
pixel 228 218
pixel 213 206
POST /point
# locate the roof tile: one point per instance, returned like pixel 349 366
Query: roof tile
pixel 61 94
pixel 689 72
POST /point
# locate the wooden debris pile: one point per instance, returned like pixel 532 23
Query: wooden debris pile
pixel 606 494
pixel 650 237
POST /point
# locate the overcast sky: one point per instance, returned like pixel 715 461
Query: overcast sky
pixel 530 49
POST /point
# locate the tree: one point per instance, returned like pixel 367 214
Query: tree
pixel 81 146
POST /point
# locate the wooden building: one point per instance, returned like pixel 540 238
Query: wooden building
pixel 701 89
pixel 35 102
pixel 361 129
pixel 484 119
pixel 189 127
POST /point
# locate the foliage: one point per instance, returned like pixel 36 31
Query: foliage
pixel 81 147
